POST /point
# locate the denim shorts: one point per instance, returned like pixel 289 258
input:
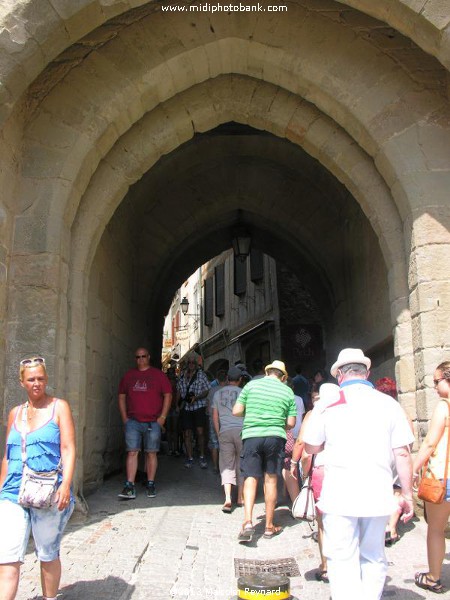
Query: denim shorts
pixel 136 432
pixel 262 455
pixel 46 524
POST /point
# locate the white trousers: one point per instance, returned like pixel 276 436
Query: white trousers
pixel 354 547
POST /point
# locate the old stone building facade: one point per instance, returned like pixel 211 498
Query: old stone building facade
pixel 132 136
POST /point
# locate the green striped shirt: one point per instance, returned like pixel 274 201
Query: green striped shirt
pixel 268 403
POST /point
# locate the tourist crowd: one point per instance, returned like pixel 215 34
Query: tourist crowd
pixel 353 439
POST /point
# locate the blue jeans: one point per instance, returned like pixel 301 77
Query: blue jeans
pixel 137 432
pixel 46 524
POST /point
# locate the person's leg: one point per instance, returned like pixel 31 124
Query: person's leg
pixel 272 450
pixel 50 577
pixel 133 442
pixel 15 527
pixel 270 497
pixel 9 580
pixel 323 559
pixel 437 516
pixel 227 464
pixel 151 465
pixel 187 435
pixel 291 484
pixel 237 449
pixel 372 558
pixel 48 527
pixel 250 487
pixel 215 458
pixel 132 465
pixel 201 440
pixel 152 442
pixel 227 491
pixel 341 547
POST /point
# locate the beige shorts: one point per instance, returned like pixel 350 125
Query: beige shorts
pixel 230 444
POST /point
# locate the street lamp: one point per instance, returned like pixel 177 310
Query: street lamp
pixel 185 307
pixel 241 242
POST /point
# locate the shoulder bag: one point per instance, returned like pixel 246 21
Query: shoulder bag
pixel 304 506
pixel 37 489
pixel 187 397
pixel 432 489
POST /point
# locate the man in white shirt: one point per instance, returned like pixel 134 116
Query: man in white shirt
pixel 363 431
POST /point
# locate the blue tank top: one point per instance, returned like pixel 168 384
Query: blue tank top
pixel 43 454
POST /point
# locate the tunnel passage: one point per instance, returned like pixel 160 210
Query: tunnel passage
pixel 95 95
pixel 296 211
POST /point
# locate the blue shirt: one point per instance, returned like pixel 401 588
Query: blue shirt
pixel 43 454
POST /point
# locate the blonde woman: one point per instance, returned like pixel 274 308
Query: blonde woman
pixel 50 438
pixel 434 447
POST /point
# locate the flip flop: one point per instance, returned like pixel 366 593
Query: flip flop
pixel 271 532
pixel 322 576
pixel 246 533
pixel 226 508
pixel 424 581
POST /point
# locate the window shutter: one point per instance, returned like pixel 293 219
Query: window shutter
pixel 219 273
pixel 240 277
pixel 209 308
pixel 256 265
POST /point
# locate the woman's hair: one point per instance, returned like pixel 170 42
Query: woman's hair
pixel 386 385
pixel 444 368
pixel 29 363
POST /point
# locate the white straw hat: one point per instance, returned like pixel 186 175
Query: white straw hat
pixel 348 356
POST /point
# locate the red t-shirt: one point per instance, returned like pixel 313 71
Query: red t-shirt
pixel 144 391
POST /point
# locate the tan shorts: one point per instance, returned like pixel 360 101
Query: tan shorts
pixel 230 444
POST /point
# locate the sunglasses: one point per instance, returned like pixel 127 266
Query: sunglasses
pixel 37 360
pixel 141 356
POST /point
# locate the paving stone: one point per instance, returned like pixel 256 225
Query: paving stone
pixel 180 545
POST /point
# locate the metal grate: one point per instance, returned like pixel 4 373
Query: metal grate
pixel 279 566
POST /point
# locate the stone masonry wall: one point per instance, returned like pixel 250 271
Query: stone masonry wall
pixel 113 331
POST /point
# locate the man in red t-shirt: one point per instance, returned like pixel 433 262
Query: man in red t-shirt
pixel 145 396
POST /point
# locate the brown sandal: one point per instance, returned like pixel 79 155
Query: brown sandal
pixel 424 581
pixel 271 532
pixel 246 533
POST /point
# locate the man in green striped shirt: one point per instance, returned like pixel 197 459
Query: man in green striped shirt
pixel 268 408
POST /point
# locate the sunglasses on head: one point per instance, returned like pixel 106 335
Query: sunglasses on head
pixel 37 360
pixel 141 355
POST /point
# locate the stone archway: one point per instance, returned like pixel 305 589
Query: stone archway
pixel 105 113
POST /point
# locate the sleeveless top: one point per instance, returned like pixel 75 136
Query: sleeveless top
pixel 437 459
pixel 43 453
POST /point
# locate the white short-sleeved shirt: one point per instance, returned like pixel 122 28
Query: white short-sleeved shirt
pixel 360 432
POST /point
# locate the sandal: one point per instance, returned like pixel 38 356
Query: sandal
pixel 322 576
pixel 271 532
pixel 246 533
pixel 389 539
pixel 424 581
pixel 226 508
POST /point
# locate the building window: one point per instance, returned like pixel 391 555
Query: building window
pixel 240 277
pixel 256 265
pixel 209 307
pixel 219 278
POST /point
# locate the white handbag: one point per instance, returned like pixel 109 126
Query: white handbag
pixel 304 506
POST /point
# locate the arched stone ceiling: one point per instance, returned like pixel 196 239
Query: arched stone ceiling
pixel 35 32
pixel 284 193
pixel 141 147
pixel 134 73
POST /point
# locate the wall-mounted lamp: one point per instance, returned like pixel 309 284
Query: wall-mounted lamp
pixel 185 307
pixel 241 242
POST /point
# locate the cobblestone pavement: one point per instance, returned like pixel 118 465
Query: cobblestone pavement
pixel 180 545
